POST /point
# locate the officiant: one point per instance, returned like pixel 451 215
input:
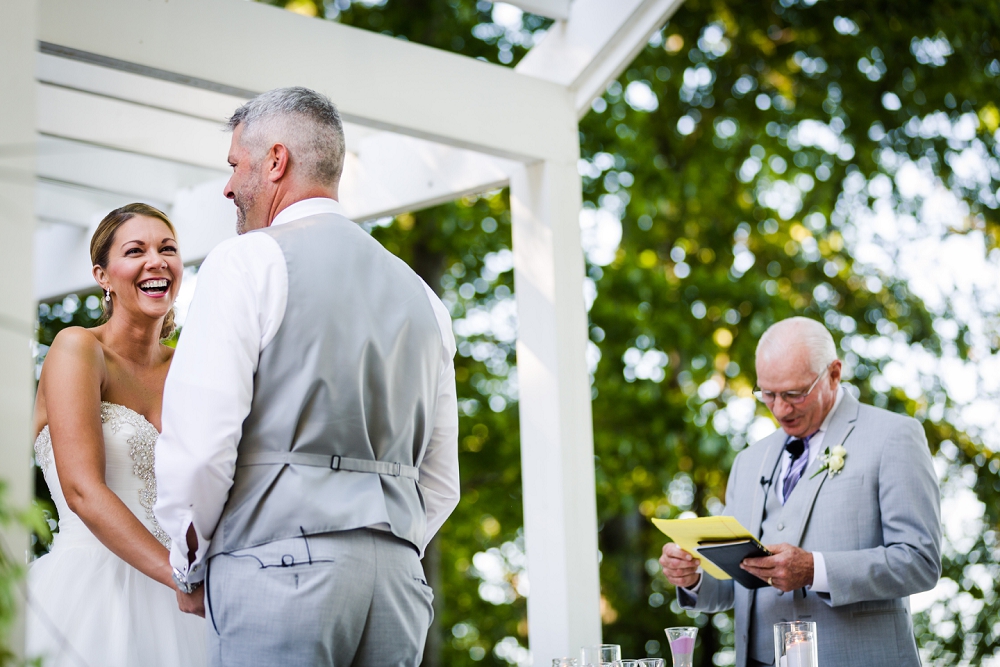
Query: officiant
pixel 845 497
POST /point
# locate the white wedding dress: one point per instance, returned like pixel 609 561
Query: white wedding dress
pixel 88 608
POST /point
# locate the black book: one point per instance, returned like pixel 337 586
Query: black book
pixel 728 556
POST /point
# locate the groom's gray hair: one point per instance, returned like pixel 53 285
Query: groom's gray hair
pixel 804 331
pixel 306 122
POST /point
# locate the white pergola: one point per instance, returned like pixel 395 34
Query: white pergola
pixel 112 101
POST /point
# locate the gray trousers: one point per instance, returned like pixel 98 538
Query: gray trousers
pixel 356 598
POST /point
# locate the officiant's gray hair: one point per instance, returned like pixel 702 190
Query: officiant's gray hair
pixel 305 121
pixel 801 330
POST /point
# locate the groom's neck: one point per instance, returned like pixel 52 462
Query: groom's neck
pixel 285 197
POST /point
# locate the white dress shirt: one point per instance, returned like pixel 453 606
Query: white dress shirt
pixel 237 309
pixel 820 582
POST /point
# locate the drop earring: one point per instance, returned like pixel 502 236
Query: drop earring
pixel 107 295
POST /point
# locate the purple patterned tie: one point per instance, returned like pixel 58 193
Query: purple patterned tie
pixel 796 448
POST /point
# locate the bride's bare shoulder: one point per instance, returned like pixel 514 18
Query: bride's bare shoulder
pixel 74 370
pixel 76 339
pixel 75 348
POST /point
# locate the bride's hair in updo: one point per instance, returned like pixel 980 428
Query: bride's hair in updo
pixel 104 236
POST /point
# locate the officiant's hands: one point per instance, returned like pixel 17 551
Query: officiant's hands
pixel 192 603
pixel 680 567
pixel 789 568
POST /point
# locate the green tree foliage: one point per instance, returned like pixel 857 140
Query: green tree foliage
pixel 758 142
pixel 757 160
pixel 744 157
pixel 12 521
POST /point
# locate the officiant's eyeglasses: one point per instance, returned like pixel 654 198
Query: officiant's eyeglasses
pixel 792 397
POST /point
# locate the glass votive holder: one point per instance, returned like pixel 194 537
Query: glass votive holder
pixel 565 662
pixel 795 644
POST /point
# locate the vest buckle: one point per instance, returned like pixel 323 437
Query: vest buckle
pixel 335 462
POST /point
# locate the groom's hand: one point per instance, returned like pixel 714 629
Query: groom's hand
pixel 192 603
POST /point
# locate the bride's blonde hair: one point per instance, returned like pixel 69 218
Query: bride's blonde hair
pixel 103 239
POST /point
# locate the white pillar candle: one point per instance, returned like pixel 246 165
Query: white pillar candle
pixel 799 653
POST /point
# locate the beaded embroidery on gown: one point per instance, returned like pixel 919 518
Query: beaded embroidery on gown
pixel 90 608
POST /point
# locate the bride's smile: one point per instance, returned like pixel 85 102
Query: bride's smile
pixel 155 287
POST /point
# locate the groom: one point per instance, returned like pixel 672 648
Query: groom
pixel 309 448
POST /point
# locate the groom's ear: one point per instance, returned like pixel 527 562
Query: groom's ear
pixel 276 163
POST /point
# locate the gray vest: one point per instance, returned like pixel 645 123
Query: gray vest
pixel 771 605
pixel 344 396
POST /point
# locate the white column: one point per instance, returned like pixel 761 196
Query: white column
pixel 17 181
pixel 557 449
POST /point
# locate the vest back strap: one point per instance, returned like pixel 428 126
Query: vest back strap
pixel 325 461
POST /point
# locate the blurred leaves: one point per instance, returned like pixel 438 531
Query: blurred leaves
pixel 12 572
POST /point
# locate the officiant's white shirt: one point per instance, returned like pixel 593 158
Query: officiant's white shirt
pixel 237 309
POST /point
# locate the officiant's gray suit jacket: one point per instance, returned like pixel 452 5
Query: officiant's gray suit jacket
pixel 877 524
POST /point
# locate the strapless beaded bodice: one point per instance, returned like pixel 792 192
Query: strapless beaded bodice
pixel 129 442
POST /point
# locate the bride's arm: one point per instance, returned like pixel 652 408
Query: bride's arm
pixel 71 381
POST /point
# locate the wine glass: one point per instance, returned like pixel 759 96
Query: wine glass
pixel 596 656
pixel 652 662
pixel 682 645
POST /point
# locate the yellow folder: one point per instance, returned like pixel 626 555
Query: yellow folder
pixel 689 533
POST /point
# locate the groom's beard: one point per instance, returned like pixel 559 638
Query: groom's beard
pixel 244 200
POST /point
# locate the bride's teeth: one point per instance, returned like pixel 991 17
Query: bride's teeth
pixel 155 286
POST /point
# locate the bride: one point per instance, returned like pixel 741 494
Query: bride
pixel 103 596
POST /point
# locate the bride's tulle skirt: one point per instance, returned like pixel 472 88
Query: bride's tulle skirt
pixel 88 608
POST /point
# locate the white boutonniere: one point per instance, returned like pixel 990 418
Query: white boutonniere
pixel 833 461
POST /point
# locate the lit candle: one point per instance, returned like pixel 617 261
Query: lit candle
pixel 799 649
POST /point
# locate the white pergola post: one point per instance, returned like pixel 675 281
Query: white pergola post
pixel 557 447
pixel 17 222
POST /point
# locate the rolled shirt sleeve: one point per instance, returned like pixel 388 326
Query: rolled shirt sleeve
pixel 237 309
pixel 439 479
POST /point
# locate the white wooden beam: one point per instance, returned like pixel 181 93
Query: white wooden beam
pixel 375 80
pixel 557 448
pixel 142 90
pixel 17 308
pixel 133 128
pixel 89 168
pixel 595 45
pixel 392 174
pixel 553 9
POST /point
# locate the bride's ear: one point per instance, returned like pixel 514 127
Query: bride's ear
pixel 101 276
